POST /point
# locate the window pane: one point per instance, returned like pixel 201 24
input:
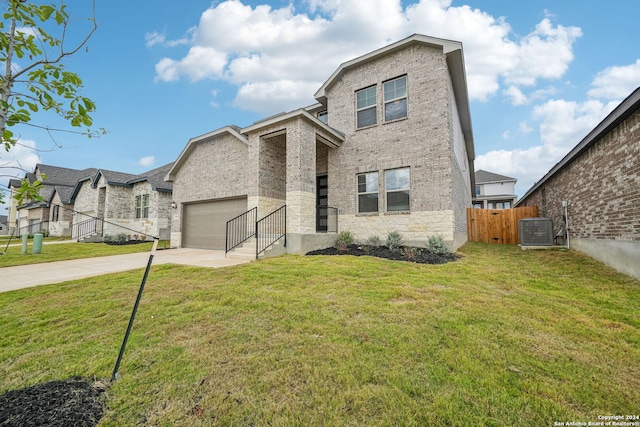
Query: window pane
pixel 397 179
pixel 367 117
pixel 366 97
pixel 395 110
pixel 395 89
pixel 368 202
pixel 398 201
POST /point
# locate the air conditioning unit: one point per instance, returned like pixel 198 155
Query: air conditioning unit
pixel 536 232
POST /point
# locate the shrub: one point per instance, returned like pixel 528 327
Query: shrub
pixel 437 245
pixel 394 240
pixel 117 239
pixel 410 252
pixel 373 241
pixel 345 238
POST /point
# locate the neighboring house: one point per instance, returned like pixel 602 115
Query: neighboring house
pixel 388 146
pixel 136 205
pixel 494 191
pixel 42 216
pixel 599 182
pixel 4 225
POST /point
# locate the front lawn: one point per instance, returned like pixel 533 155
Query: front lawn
pixel 65 251
pixel 499 337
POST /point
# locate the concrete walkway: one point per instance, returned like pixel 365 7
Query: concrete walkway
pixel 25 276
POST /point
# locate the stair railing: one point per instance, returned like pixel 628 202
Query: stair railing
pixel 87 227
pixel 240 229
pixel 270 229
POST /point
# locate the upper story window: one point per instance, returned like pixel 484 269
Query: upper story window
pixel 397 183
pixel 368 192
pixel 478 192
pixel 142 206
pixel 366 110
pixel 395 99
pixel 323 116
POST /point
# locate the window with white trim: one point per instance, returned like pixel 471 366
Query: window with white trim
pixel 397 186
pixel 395 99
pixel 323 116
pixel 368 192
pixel 366 111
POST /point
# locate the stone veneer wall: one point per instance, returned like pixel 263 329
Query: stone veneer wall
pixel 602 186
pixel 422 142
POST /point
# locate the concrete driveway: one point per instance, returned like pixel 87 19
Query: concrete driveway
pixel 25 276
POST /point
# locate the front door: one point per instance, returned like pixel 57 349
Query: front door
pixel 322 200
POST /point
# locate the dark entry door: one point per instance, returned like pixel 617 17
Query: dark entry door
pixel 322 199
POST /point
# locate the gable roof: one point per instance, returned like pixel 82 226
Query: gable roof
pixel 56 175
pixel 231 130
pixel 627 107
pixel 155 177
pixel 120 179
pixel 484 177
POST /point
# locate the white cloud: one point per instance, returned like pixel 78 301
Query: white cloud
pixel 543 54
pixel 562 125
pixel 147 161
pixel 21 158
pixel 616 82
pixel 261 48
pixel 515 95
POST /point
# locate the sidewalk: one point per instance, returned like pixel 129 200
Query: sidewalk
pixel 25 276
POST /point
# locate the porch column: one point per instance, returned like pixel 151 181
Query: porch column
pixel 301 180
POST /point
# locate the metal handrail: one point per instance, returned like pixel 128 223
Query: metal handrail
pixel 270 229
pixel 240 229
pixel 87 227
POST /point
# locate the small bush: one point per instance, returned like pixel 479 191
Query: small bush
pixel 438 246
pixel 117 239
pixel 373 241
pixel 394 240
pixel 345 238
pixel 410 252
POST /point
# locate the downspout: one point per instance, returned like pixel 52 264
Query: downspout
pixel 566 222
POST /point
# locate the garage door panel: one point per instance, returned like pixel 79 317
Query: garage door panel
pixel 205 223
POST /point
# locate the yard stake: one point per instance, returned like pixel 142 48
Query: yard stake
pixel 115 374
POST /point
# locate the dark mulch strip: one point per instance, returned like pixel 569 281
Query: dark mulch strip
pixel 410 254
pixel 71 402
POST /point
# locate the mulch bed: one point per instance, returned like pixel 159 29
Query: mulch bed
pixel 404 253
pixel 71 402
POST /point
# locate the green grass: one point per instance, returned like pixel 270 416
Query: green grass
pixel 502 337
pixel 65 251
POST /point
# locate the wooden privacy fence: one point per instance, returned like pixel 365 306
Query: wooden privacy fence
pixel 497 225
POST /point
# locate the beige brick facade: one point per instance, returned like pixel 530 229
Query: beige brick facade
pixel 278 160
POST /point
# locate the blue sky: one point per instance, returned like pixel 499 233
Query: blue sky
pixel 541 74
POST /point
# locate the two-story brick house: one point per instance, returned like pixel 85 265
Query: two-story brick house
pixel 388 146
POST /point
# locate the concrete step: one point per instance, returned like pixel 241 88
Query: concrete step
pixel 247 251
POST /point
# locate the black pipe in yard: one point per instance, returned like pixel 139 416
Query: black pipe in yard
pixel 115 374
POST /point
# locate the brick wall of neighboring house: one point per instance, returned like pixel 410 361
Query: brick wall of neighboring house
pixel 216 168
pixel 86 201
pixel 602 187
pixel 421 142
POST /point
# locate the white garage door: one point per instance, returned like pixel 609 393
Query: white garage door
pixel 204 225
